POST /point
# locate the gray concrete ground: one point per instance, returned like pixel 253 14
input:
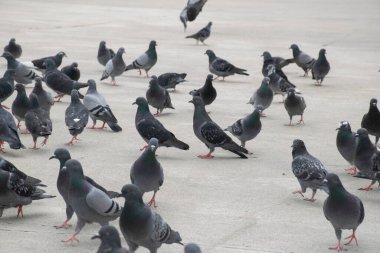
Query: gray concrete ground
pixel 225 204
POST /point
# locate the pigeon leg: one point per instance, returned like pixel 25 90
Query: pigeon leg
pixel 5 107
pixel 59 97
pixel 34 146
pixel 338 247
pixel 143 148
pixel 139 71
pixel 73 238
pixel 2 147
pixel 301 121
pixel 146 72
pixel 206 156
pixel 153 200
pixel 351 237
pixel 368 188
pixel 71 142
pixel 114 83
pixel 157 114
pixel 92 127
pixel 223 79
pixel 262 114
pixel 45 141
pixel 103 126
pixel 299 192
pixel 65 225
pixel 19 211
pixel 312 199
pixel 18 124
pixel 352 171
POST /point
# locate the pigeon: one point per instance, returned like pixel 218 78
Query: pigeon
pixel 278 62
pixel 149 127
pixel 210 133
pixel 302 59
pixel 21 104
pixel 247 128
pixel 202 34
pixel 60 82
pixel 7 86
pixel 371 120
pixel 191 11
pixel 104 54
pixel 320 67
pixel 221 67
pixel 72 71
pixel 343 209
pixel 8 131
pixel 39 63
pixel 294 105
pixel 88 202
pixel 207 92
pixel 37 121
pixel 76 117
pixel 192 248
pixel 114 67
pixel 158 97
pixel 110 240
pixel 147 173
pixel 145 61
pixel 309 171
pixel 45 99
pixel 346 143
pixel 170 80
pixel 141 226
pixel 13 48
pixel 99 108
pixel 262 96
pixel 9 167
pixel 278 84
pixel 23 73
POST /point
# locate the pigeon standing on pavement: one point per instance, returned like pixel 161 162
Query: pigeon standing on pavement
pixel 210 133
pixel 170 80
pixel 21 104
pixel 109 240
pixel 13 48
pixel 302 59
pixel 371 120
pixel 320 67
pixel 45 99
pixel 39 63
pixel 147 173
pixel 158 97
pixel 104 54
pixel 202 34
pixel 309 171
pixel 76 117
pixel 145 61
pixel 8 131
pixel 262 96
pixel 343 209
pixel 221 67
pixel 191 11
pixel 278 62
pixel 149 127
pixel 207 92
pixel 114 67
pixel 278 84
pixel 7 86
pixel 72 71
pixel 141 226
pixel 192 248
pixel 23 74
pixel 294 105
pixel 346 143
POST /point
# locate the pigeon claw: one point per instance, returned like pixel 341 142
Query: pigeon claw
pixel 71 239
pixel 299 192
pixel 351 238
pixel 206 156
pixel 309 199
pixel 152 201
pixel 352 171
pixel 338 247
pixel 20 212
pixel 143 148
pixel 65 225
pixel 368 188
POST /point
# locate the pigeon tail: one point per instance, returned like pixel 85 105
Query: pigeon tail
pixel 239 154
pixel 286 62
pixel 174 238
pixel 179 144
pixel 193 36
pixel 235 148
pixel 241 71
pixel 78 85
pixel 114 126
pixel 129 67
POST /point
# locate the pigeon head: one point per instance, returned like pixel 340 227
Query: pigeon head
pixel 333 183
pixel 91 85
pixel 294 47
pixel 61 54
pixel 197 101
pixel 12 41
pixel 74 96
pixel 131 192
pixel 109 235
pixel 192 248
pixel 211 55
pixel 373 102
pixel 291 91
pixel 7 55
pixel 74 65
pixel 121 51
pixel 62 155
pixel 49 64
pixel 38 83
pixel 191 13
pixel 140 101
pixel 74 168
pixel 322 52
pixel 153 144
pixel 265 81
pixel 267 56
pixel 152 44
pixel 209 24
pixel 102 43
pixel 259 108
pixel 298 147
pixel 153 82
pixel 9 74
pixel 33 101
pixel 362 133
pixel 344 126
pixel 209 77
pixel 19 87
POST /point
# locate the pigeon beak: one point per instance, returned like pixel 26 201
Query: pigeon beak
pixel 356 135
pixel 152 147
pixel 191 101
pixel 95 237
pixel 133 103
pixel 52 157
pixel 337 129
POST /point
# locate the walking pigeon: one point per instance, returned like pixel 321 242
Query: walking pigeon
pixel 45 99
pixel 371 120
pixel 21 104
pixel 191 11
pixel 39 63
pixel 104 54
pixel 7 86
pixel 72 71
pixel 320 67
pixel 262 96
pixel 13 48
pixel 202 34
pixel 110 240
pixel 76 117
pixel 23 74
pixel 145 61
pixel 114 67
pixel 346 143
pixel 294 105
pixel 158 97
pixel 170 80
pixel 303 60
pixel 221 67
pixel 8 131
pixel 278 62
pixel 9 167
pixel 278 84
pixel 207 92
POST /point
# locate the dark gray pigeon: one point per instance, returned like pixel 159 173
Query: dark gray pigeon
pixel 104 54
pixel 309 171
pixel 247 128
pixel 221 67
pixel 8 131
pixel 191 11
pixel 170 80
pixel 346 143
pixel 147 173
pixel 141 226
pixel 320 67
pixel 343 209
pixel 210 133
pixel 72 71
pixel 149 127
pixel 23 73
pixel 13 48
pixel 207 92
pixel 99 108
pixel 262 96
pixel 278 62
pixel 76 117
pixel 7 86
pixel 158 97
pixel 192 248
pixel 9 167
pixel 371 120
pixel 88 202
pixel 279 85
pixel 60 82
pixel 57 59
pixel 45 99
pixel 110 240
pixel 303 60
pixel 202 34
pixel 145 61
pixel 37 121
pixel 295 105
pixel 21 104
pixel 114 67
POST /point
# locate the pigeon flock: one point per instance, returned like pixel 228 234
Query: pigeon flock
pixel 32 89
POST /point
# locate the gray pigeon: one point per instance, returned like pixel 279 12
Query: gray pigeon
pixel 309 171
pixel 247 128
pixel 88 202
pixel 72 71
pixel 37 121
pixel 210 133
pixel 7 86
pixel 145 61
pixel 207 92
pixel 371 120
pixel 191 11
pixel 221 67
pixel 114 67
pixel 147 173
pixel 202 34
pixel 45 99
pixel 321 67
pixel 302 59
pixel 149 127
pixel 141 226
pixel 23 73
pixel 294 105
pixel 13 48
pixel 343 209
pixel 99 108
pixel 9 167
pixel 262 96
pixel 158 97
pixel 110 240
pixel 8 131
pixel 76 117
pixel 279 85
pixel 278 62
pixel 60 82
pixel 104 54
pixel 57 59
pixel 21 104
pixel 170 80
pixel 346 143
pixel 192 248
